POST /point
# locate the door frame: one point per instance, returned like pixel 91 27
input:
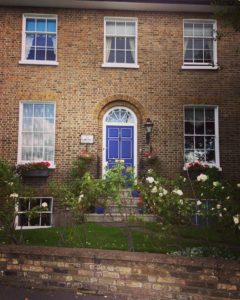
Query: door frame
pixel 104 138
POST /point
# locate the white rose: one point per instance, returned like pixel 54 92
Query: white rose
pixel 224 209
pixel 154 190
pixel 220 215
pixel 160 194
pixel 150 171
pixel 14 195
pixel 164 192
pixel 218 206
pixel 202 177
pixel 216 183
pixel 228 198
pixel 181 202
pixel 236 219
pixel 238 185
pixel 178 192
pixel 150 179
pixel 44 204
pixel 199 202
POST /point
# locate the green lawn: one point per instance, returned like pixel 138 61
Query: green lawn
pixel 149 237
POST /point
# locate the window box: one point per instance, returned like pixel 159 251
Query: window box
pixel 37 173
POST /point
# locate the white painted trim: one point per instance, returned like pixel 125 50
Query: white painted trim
pixel 127 66
pixel 217 148
pixel 34 227
pixel 19 154
pixel 203 66
pixel 197 67
pixel 134 125
pixel 121 65
pixel 37 62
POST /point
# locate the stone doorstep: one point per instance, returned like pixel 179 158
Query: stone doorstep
pixel 117 217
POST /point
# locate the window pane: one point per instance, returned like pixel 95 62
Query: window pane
pixel 23 204
pixel 198 44
pixel 188 56
pixel 210 128
pixel 51 40
pixel 210 142
pixel 130 57
pixel 208 56
pixel 38 139
pixel 45 219
pixel 199 114
pixel 189 128
pixel 22 220
pixel 189 114
pixel 110 43
pixel 199 127
pixel 41 25
pixel 120 28
pixel 41 40
pixel 130 43
pixel 208 44
pixel 130 28
pixel 35 221
pixel 120 56
pixel 27 110
pixel 208 30
pixel 48 154
pixel 49 203
pixel 110 28
pixel 37 153
pixel 49 139
pixel 51 55
pixel 198 29
pixel 189 142
pixel 189 156
pixel 49 110
pixel 27 139
pixel 40 54
pixel 120 43
pixel 198 55
pixel 26 153
pixel 188 29
pixel 210 156
pixel 188 43
pixel 199 155
pixel 38 124
pixel 30 24
pixel 199 142
pixel 209 112
pixel 111 57
pixel 51 25
pixel 38 110
pixel 27 124
pixel 49 125
pixel 34 202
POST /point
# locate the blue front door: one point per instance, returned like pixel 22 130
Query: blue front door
pixel 120 145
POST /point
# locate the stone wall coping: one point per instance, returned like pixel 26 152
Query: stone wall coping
pixel 98 255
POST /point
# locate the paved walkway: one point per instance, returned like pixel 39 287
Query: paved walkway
pixel 19 293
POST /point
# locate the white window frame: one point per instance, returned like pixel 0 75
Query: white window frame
pixel 19 157
pixel 30 226
pixel 216 117
pixel 202 66
pixel 121 65
pixel 37 62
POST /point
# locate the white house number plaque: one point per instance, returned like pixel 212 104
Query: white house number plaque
pixel 87 139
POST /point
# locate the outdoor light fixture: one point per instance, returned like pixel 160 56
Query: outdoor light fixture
pixel 149 127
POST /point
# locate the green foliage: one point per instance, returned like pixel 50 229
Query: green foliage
pixel 164 198
pixel 229 11
pixel 80 167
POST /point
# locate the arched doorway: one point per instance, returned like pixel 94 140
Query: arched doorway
pixel 120 137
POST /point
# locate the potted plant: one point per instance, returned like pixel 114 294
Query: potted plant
pixel 34 169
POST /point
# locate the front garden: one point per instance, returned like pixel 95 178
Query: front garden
pixel 197 214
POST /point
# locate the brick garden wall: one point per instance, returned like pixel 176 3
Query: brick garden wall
pixel 128 275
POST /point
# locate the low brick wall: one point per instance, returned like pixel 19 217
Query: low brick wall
pixel 129 275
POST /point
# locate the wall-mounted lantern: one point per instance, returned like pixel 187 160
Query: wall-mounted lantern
pixel 149 127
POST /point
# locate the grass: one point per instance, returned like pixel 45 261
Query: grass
pixel 149 237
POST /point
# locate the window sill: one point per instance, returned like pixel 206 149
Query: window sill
pixel 126 66
pixel 32 227
pixel 210 166
pixel 197 67
pixel 51 167
pixel 38 62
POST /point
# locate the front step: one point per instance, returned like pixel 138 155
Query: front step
pixel 117 217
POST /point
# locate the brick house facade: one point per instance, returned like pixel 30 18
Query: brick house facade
pixel 158 85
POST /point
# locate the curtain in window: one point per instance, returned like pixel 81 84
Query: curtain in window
pixel 54 41
pixel 132 48
pixel 108 48
pixel 29 44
